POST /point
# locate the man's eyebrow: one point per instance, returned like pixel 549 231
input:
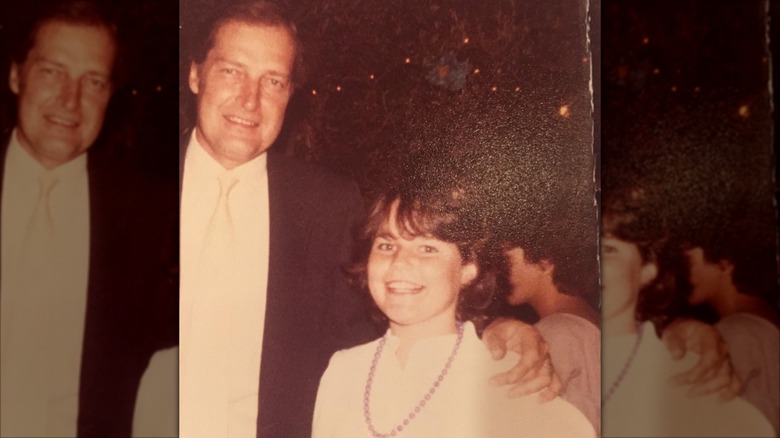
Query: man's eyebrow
pixel 54 63
pixel 222 60
pixel 384 235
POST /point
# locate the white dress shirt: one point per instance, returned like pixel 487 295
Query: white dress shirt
pixel 244 293
pixel 45 337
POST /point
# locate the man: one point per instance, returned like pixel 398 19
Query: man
pixel 734 274
pixel 87 292
pixel 263 238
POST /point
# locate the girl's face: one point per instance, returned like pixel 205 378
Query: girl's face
pixel 416 281
pixel 623 273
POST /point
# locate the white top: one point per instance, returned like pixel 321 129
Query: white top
pixel 465 404
pixel 242 313
pixel 754 349
pixel 44 302
pixel 647 404
pixel 575 350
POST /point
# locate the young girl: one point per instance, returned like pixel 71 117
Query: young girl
pixel 430 273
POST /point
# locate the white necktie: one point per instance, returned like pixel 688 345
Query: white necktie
pixel 204 403
pixel 26 374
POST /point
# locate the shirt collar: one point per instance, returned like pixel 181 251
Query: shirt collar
pixel 24 166
pixel 202 163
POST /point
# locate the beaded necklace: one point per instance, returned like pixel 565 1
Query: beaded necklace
pixel 426 398
pixel 626 366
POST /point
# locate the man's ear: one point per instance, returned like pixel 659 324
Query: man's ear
pixel 546 266
pixel 726 266
pixel 194 78
pixel 13 78
pixel 647 273
pixel 468 273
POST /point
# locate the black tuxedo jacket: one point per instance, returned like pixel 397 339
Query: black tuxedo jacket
pixel 132 293
pixel 311 312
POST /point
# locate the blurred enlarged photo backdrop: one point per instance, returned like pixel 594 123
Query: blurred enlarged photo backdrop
pixel 689 219
pixel 88 167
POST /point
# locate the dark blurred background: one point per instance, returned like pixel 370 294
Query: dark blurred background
pixel 141 120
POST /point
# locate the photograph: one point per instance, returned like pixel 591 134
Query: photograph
pixel 389 221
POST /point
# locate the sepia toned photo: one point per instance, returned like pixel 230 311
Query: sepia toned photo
pixel 388 219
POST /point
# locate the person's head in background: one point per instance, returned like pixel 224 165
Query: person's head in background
pixel 243 74
pixel 63 74
pixel 554 269
pixel 732 268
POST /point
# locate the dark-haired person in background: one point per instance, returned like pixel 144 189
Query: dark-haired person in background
pixel 733 273
pixel 88 245
pixel 558 276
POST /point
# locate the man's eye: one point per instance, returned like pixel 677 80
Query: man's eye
pixel 97 84
pixel 276 84
pixel 50 71
pixel 428 249
pixel 230 72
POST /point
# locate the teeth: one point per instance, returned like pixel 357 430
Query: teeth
pixel 403 287
pixel 241 121
pixel 60 121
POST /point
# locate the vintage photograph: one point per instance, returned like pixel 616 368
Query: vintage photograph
pixel 388 219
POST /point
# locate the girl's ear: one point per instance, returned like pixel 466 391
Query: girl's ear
pixel 647 273
pixel 468 273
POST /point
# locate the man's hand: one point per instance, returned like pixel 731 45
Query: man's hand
pixel 713 373
pixel 534 372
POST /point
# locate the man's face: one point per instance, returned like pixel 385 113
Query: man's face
pixel 63 88
pixel 243 88
pixel 705 277
pixel 527 279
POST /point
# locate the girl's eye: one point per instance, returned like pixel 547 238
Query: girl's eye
pixel 428 249
pixel 608 249
pixel 384 246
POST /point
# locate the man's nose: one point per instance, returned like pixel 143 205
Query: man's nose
pixel 70 94
pixel 251 93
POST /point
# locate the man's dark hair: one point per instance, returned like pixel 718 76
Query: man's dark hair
pixel 260 13
pixel 570 246
pixel 748 246
pixel 79 13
